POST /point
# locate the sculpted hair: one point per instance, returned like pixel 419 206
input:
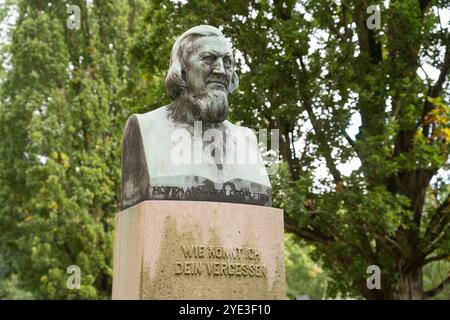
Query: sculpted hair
pixel 176 76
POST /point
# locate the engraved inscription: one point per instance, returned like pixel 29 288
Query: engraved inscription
pixel 220 261
pixel 230 193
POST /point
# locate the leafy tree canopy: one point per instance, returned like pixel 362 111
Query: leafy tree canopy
pixel 307 68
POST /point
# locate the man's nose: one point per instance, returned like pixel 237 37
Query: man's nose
pixel 219 67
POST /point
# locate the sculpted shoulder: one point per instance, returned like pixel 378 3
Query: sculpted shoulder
pixel 156 116
pixel 241 132
pixel 159 119
pixel 236 127
pixel 146 122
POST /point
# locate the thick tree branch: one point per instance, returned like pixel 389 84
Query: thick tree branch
pixel 436 241
pixel 435 258
pixel 305 233
pixel 363 247
pixel 349 140
pixel 439 217
pixel 387 242
pixel 424 4
pixel 288 152
pixel 437 289
pixel 366 37
pixel 324 148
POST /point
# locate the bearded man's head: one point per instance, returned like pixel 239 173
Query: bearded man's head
pixel 201 73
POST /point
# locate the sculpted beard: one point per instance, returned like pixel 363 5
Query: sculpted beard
pixel 211 106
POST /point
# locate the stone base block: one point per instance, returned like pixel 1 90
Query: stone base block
pixel 198 250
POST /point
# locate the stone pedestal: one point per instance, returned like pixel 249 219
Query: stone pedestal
pixel 198 250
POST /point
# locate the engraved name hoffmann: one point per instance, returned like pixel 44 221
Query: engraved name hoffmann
pixel 222 261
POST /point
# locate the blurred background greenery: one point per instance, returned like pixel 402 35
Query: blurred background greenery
pixel 363 116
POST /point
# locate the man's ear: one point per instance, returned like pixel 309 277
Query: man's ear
pixel 234 82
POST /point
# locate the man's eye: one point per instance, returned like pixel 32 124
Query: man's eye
pixel 208 59
pixel 227 63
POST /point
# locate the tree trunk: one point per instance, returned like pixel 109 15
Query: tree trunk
pixel 410 286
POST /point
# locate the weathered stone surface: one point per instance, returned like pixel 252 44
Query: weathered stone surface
pixel 198 250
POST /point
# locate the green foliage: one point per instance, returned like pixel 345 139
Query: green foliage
pixel 434 273
pixel 305 68
pixel 62 118
pixel 9 289
pixel 303 276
